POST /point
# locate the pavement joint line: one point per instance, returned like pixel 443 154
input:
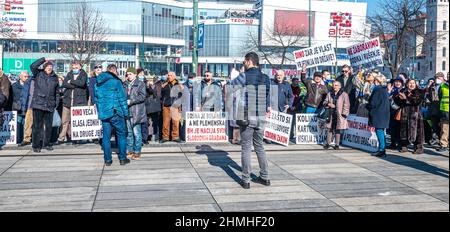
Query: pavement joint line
pixel 306 184
pixel 398 182
pixel 203 182
pixel 98 187
pixel 21 158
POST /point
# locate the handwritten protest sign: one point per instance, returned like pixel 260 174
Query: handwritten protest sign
pixel 366 55
pixel 307 130
pixel 278 128
pixel 8 131
pixel 315 56
pixel 360 135
pixel 85 123
pixel 204 127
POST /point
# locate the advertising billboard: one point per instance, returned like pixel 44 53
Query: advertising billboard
pixel 293 23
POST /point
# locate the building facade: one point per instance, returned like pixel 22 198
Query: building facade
pixel 156 34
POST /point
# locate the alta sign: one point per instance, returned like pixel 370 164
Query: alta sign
pixel 340 25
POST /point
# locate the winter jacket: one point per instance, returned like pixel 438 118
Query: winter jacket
pixel 411 122
pixel 110 96
pixel 45 88
pixel 350 89
pixel 191 97
pixel 379 108
pixel 432 101
pixel 18 96
pixel 171 92
pixel 76 91
pixel 2 101
pixel 136 94
pixel 5 86
pixel 91 87
pixel 280 95
pixel 211 96
pixel 255 96
pixel 316 93
pixel 341 110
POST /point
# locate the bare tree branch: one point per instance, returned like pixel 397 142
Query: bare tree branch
pixel 87 33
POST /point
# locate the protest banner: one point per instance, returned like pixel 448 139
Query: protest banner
pixel 8 131
pixel 366 55
pixel 85 123
pixel 278 128
pixel 360 135
pixel 206 127
pixel 307 130
pixel 315 56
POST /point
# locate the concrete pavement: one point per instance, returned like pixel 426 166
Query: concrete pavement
pixel 175 177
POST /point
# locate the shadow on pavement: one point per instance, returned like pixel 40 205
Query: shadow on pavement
pixel 220 158
pixel 417 164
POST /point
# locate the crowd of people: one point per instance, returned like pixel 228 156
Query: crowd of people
pixel 152 112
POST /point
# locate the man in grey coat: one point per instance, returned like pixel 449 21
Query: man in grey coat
pixel 136 95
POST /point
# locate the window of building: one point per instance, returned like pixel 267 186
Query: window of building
pixel 418 66
pixel 431 65
pixel 443 65
pixel 444 25
pixel 444 52
pixel 431 51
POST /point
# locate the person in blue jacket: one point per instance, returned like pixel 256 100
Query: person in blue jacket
pixel 112 107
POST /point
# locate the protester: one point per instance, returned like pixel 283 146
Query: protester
pixel 364 82
pixel 252 121
pixel 136 95
pixel 44 103
pixel 144 126
pixel 5 87
pixel 444 107
pixel 338 102
pixel 379 111
pixel 326 77
pixel 211 94
pixel 189 100
pixel 153 108
pixel 171 92
pixel 282 98
pixel 112 110
pixel 316 92
pixel 28 90
pixel 233 97
pixel 56 126
pixel 411 118
pixel 75 94
pixel 20 97
pixel 394 89
pixel 98 69
pixel 434 105
pixel 299 91
pixel 347 82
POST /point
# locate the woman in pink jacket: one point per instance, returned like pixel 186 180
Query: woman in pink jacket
pixel 339 104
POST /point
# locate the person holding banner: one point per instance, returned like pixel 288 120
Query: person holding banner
pixel 211 94
pixel 252 117
pixel 338 102
pixel 136 95
pixel 171 93
pixel 316 91
pixel 411 117
pixel 112 110
pixel 75 94
pixel 379 112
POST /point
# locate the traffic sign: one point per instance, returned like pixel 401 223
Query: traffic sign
pixel 201 35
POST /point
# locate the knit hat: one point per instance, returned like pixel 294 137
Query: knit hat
pixel 132 70
pixel 439 74
pixel 46 64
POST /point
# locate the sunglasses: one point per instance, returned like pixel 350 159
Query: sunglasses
pixel 97 67
pixel 345 71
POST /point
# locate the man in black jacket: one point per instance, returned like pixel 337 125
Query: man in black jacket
pixel 19 103
pixel 44 103
pixel 256 105
pixel 349 87
pixel 75 94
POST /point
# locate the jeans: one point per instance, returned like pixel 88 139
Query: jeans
pixel 118 123
pixel 144 131
pixel 42 128
pixel 381 139
pixel 311 110
pixel 253 136
pixel 134 137
pixel 20 128
pixel 156 124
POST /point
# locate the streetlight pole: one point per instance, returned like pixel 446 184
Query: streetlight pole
pixel 143 39
pixel 336 52
pixel 195 38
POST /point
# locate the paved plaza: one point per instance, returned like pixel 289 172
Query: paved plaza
pixel 175 177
